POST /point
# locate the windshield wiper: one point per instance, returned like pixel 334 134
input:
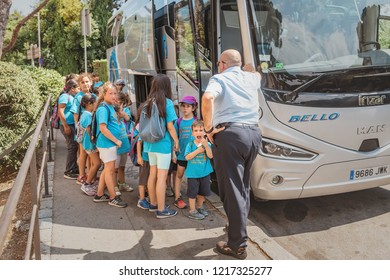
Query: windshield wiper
pixel 293 95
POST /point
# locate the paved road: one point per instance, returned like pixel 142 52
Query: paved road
pixel 346 226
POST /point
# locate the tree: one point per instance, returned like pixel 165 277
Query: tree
pixel 4 13
pixel 62 43
pixel 18 26
pixel 18 54
pixel 63 35
pixel 101 12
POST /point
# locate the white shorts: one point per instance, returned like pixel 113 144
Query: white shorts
pixel 108 154
pixel 121 160
pixel 161 160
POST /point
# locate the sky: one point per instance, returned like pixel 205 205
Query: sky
pixel 24 6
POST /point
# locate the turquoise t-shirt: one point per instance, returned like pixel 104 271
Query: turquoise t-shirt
pixel 184 132
pixel 127 111
pixel 112 125
pixel 85 121
pixel 67 99
pixel 125 148
pixel 164 146
pixel 76 103
pixel 128 124
pixel 97 84
pixel 200 165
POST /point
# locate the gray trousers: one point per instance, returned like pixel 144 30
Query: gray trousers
pixel 72 147
pixel 234 151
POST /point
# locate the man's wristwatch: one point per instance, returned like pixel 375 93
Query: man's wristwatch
pixel 210 130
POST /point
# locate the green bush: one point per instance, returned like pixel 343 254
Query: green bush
pixel 20 108
pixel 100 66
pixel 48 81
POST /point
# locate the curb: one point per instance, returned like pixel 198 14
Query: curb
pixel 257 237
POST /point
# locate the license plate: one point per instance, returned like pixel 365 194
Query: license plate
pixel 359 174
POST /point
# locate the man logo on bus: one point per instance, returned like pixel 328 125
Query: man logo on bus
pixel 314 117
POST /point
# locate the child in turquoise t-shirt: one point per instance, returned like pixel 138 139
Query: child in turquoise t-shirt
pixel 188 106
pixel 143 175
pixel 88 102
pixel 198 154
pixel 124 115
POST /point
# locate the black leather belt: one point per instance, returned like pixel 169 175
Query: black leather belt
pixel 236 124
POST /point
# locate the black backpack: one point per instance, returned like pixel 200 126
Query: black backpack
pixel 94 135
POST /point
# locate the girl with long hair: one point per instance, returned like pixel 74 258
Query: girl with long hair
pixel 160 152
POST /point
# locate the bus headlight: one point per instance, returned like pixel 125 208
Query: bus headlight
pixel 278 150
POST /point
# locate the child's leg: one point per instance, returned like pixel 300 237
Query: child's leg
pixel 204 190
pixel 88 164
pixel 121 169
pixel 82 161
pixel 152 184
pixel 192 202
pixel 160 188
pixel 102 184
pixel 109 178
pixel 95 165
pixel 143 179
pixel 192 191
pixel 141 191
pixel 199 201
pixel 178 180
pixel 121 174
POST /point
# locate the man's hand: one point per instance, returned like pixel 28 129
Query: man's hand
pixel 248 68
pixel 210 135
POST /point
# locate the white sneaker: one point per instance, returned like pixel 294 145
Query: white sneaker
pixel 117 192
pixel 169 192
pixel 125 187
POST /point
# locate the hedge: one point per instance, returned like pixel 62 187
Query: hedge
pixel 23 93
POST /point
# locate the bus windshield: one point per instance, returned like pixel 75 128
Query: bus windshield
pixel 315 36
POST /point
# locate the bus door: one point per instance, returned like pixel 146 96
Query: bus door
pixel 184 43
pixel 228 27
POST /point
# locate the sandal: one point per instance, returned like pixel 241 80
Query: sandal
pixel 223 248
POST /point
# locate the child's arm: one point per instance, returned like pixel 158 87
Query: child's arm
pixel 207 148
pixel 174 157
pixel 106 132
pixel 193 154
pixel 61 115
pixel 139 153
pixel 172 132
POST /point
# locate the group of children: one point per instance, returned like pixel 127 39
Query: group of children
pixel 116 127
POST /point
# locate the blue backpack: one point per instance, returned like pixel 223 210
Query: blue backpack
pixel 94 135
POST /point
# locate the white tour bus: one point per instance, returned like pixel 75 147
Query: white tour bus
pixel 325 65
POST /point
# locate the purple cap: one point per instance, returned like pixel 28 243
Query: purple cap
pixel 189 100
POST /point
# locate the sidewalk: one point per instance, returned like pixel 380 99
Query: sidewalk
pixel 74 227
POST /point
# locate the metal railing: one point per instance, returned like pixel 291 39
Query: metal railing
pixel 30 164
